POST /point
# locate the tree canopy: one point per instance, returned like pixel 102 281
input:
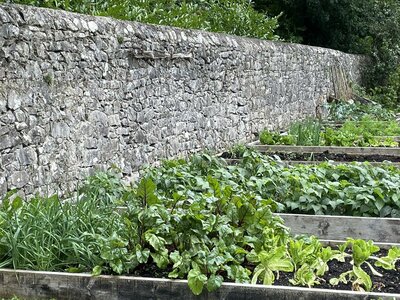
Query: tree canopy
pixel 369 27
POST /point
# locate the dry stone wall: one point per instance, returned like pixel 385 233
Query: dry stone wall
pixel 80 93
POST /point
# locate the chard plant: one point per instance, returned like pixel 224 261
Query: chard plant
pixel 271 261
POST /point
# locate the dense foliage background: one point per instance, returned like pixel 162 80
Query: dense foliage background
pixel 369 27
pixel 234 17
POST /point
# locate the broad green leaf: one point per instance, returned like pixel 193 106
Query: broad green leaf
pixel 117 266
pixel 145 191
pixel 304 276
pixel 214 185
pixel 363 278
pixel 142 255
pixel 362 250
pixel 269 277
pixel 275 260
pixel 321 267
pixel 252 257
pixel 385 211
pixel 379 203
pixel 175 257
pixel 359 255
pixel 214 282
pixel 378 192
pixel 174 274
pixel 389 262
pixel 17 203
pixel 283 264
pixel 256 273
pixel 161 258
pixel 97 271
pixel 158 243
pixel 238 273
pixel 196 281
pixel 334 281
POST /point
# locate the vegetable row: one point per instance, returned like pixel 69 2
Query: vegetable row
pixel 204 221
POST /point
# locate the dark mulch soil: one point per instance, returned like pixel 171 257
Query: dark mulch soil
pixel 151 270
pixel 388 283
pixel 325 156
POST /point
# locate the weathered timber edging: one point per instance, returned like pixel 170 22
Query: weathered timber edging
pixel 235 161
pixel 385 232
pixel 395 138
pixel 388 151
pixel 45 285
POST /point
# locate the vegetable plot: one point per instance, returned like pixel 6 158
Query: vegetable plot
pixel 206 222
pixel 342 111
pixel 364 133
pixel 346 124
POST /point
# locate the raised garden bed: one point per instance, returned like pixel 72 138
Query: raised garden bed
pixel 235 161
pixel 321 153
pixel 384 151
pixel 47 285
pixel 312 154
pixel 333 230
pixel 203 221
pixel 366 131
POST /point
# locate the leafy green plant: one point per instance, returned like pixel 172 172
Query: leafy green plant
pixel 307 132
pixel 389 262
pixel 267 137
pixel 342 111
pixel 305 276
pixel 198 219
pixel 271 261
pixel 48 78
pixel 272 138
pixel 237 151
pixel 367 125
pixel 365 132
pixel 310 260
pixel 365 27
pixel 361 251
pixel 233 17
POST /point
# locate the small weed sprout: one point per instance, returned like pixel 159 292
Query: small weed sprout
pixel 48 79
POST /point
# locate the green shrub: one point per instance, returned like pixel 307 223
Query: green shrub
pixel 342 111
pixel 232 17
pixel 367 27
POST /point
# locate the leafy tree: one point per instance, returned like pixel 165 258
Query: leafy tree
pixel 370 27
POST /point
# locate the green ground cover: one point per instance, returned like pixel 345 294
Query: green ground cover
pixel 201 220
pixel 360 126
